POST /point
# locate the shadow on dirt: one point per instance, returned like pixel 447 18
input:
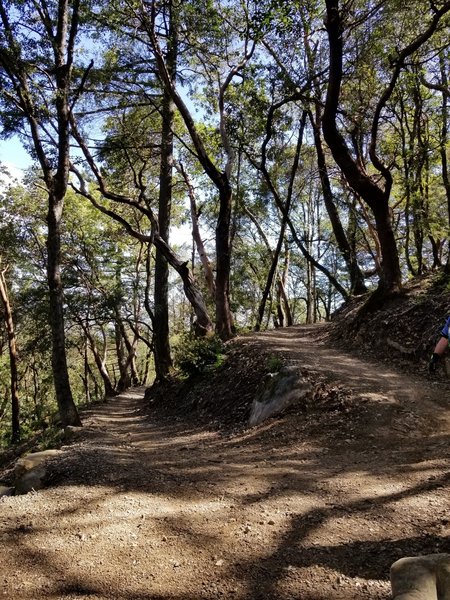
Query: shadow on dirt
pixel 315 503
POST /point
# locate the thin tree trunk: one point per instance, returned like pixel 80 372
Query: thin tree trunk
pixel 131 350
pixel 124 381
pixel 12 347
pixel 444 141
pixel 87 393
pixel 206 264
pixel 282 287
pixel 357 285
pixel 282 206
pixel 284 220
pixel 99 361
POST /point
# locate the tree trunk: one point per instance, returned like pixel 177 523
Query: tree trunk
pixel 270 276
pixel 202 324
pixel 12 347
pixel 162 354
pixel 67 410
pixel 375 197
pixel 124 381
pixel 131 358
pixel 357 285
pixel 221 179
pixel 51 144
pixel 224 320
pixel 100 363
pixel 282 287
pixel 284 209
pixel 199 245
pixel 443 64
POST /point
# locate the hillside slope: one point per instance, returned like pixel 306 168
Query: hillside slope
pixel 402 333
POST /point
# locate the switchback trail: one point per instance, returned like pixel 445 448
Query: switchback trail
pixel 314 504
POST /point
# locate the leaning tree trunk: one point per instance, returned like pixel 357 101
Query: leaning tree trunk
pixel 357 285
pixel 131 357
pixel 196 236
pixel 374 196
pixel 100 363
pixel 124 375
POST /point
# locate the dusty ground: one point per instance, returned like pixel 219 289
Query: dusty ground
pixel 315 504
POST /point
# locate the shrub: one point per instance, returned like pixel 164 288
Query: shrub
pixel 196 355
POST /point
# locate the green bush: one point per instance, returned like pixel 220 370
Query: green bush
pixel 196 355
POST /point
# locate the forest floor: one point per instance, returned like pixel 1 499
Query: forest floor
pixel 156 501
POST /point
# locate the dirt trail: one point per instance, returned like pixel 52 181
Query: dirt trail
pixel 310 505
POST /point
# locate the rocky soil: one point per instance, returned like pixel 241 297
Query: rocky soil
pixel 175 497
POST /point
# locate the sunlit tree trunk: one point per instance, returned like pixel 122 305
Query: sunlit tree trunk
pixel 220 178
pixel 199 245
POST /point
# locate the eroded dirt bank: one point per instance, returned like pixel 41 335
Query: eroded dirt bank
pixel 314 504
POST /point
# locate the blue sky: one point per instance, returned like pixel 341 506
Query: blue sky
pixel 16 160
pixel 13 156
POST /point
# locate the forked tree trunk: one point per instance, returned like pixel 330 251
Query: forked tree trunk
pixel 99 361
pixel 221 179
pixel 200 246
